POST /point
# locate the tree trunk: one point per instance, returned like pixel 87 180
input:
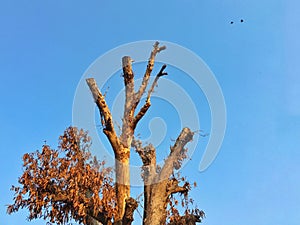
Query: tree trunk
pixel 157 205
pixel 122 181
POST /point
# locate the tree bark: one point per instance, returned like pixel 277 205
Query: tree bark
pixel 131 205
pixel 122 181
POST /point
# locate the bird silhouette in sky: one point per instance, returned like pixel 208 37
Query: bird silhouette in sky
pixel 242 21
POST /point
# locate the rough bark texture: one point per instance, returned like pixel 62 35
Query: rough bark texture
pixel 131 205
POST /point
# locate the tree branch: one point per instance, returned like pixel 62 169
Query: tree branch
pixel 131 205
pixel 129 97
pixel 129 85
pixel 104 113
pixel 173 187
pixel 141 91
pixel 127 70
pixel 101 103
pixel 177 154
pixel 146 153
pixel 160 74
pixel 148 156
pixel 147 104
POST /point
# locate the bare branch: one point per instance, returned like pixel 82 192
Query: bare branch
pixel 141 113
pixel 127 70
pixel 127 132
pixel 148 156
pixel 146 153
pixel 104 113
pixel 177 154
pixel 160 73
pixel 101 103
pixel 147 104
pixel 141 91
pixel 129 85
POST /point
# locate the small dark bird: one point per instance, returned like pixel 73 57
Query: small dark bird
pixel 242 20
pixel 231 22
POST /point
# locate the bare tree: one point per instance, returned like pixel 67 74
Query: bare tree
pixel 69 183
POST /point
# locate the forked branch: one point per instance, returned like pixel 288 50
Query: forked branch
pixel 147 104
pixel 141 91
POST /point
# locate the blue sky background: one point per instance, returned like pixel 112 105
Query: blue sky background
pixel 45 47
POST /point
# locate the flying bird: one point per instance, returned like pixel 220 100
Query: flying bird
pixel 242 20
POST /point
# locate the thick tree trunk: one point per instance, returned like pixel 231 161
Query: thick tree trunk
pixel 122 182
pixel 156 206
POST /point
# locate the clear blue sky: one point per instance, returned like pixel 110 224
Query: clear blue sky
pixel 45 47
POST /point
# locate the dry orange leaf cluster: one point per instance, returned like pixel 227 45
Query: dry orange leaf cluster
pixel 191 214
pixel 65 183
